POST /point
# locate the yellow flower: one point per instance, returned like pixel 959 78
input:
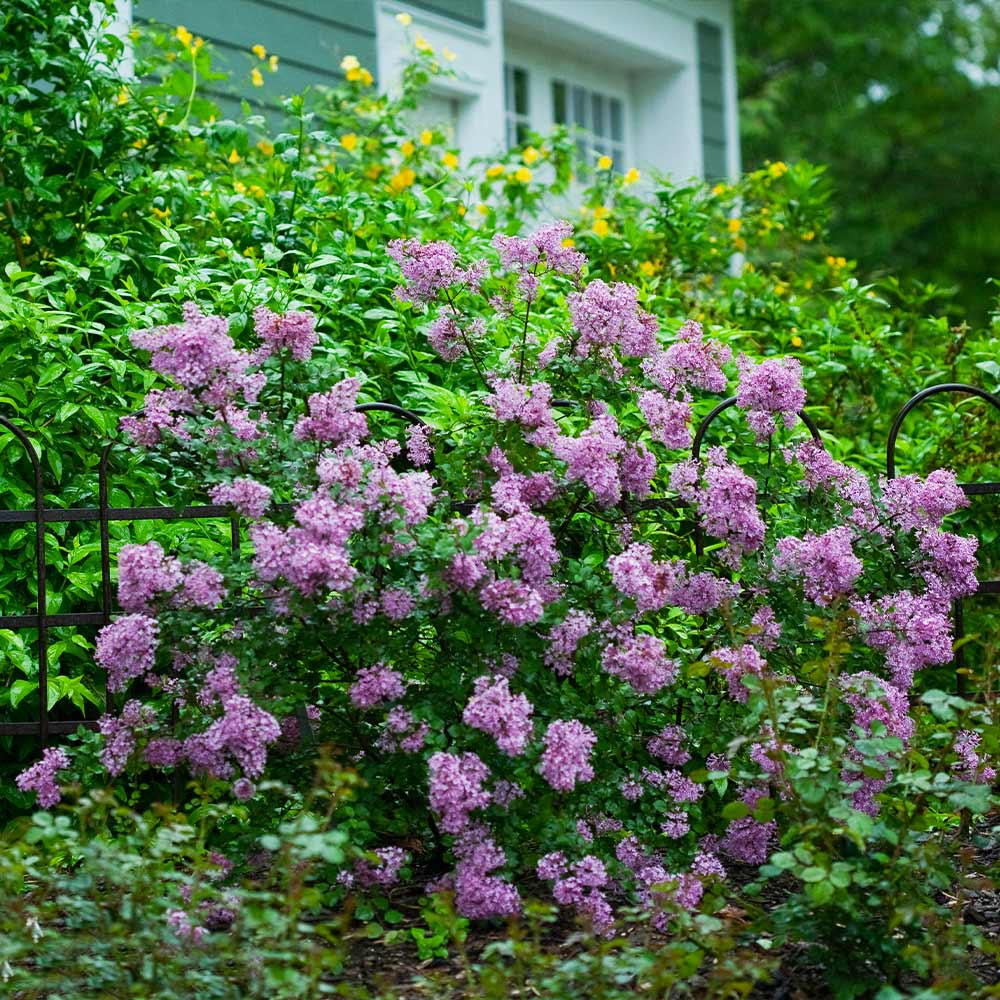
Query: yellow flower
pixel 139 143
pixel 495 171
pixel 374 172
pixel 366 78
pixel 161 213
pixel 461 210
pixel 349 141
pixel 407 149
pixel 349 62
pixel 777 169
pixel 631 177
pixel 809 236
pixel 648 268
pixel 601 212
pixel 523 175
pixel 272 64
pixel 267 148
pixel 448 54
pixel 239 187
pixel 183 35
pixel 422 44
pixel 719 189
pixel 733 225
pixel 259 51
pixel 404 19
pixel 122 96
pixel 780 288
pixel 841 262
pixel 601 227
pixel 233 157
pixel 450 160
pixel 426 137
pixel 569 243
pixel 256 190
pixel 796 341
pixel 402 180
pixel 740 243
pixel 483 209
pixel 255 77
pixel 604 163
pixel 530 155
pixel 26 239
pixel 197 44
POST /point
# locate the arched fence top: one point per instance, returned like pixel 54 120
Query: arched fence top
pixel 916 400
pixel 731 401
pixel 408 415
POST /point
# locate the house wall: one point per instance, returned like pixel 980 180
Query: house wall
pixel 671 63
pixel 309 36
pixel 469 104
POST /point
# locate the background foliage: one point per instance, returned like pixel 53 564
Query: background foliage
pixel 897 98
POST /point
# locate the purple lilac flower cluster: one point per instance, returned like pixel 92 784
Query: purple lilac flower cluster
pixel 293 331
pixel 747 839
pixel 215 378
pixel 608 316
pixel 504 716
pixel 640 659
pixel 581 886
pixel 726 500
pixel 376 684
pixel 40 777
pixel 826 563
pixel 544 249
pixel 566 758
pixel 456 788
pixel 146 573
pixel 655 585
pixel 431 268
pixel 971 766
pixel 769 391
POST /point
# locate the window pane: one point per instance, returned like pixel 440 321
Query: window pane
pixel 617 131
pixel 559 102
pixel 580 107
pixel 520 91
pixel 597 108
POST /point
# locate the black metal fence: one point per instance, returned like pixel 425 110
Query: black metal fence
pixel 104 514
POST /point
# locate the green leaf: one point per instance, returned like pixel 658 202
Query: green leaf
pixel 735 810
pixel 812 874
pixel 20 690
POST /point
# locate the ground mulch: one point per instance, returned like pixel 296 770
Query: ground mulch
pixel 394 969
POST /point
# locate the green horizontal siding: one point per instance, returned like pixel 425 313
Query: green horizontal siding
pixel 310 37
pixel 712 99
pixel 469 11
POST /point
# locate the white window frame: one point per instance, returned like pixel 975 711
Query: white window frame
pixel 517 121
pixel 598 121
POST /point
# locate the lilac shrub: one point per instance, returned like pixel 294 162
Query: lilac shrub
pixel 503 622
